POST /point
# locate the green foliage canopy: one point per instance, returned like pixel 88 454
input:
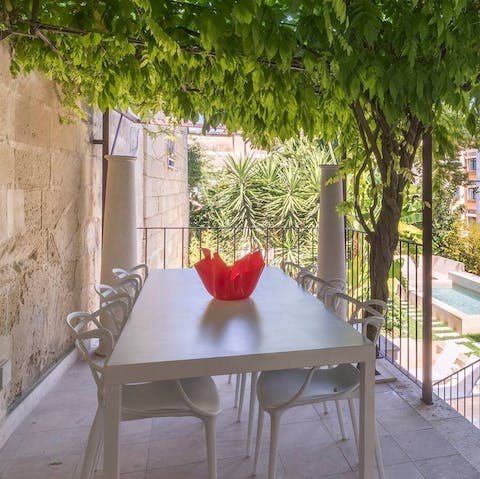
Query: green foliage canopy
pixel 268 67
pixel 375 72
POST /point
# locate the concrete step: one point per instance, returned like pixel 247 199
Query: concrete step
pixel 452 334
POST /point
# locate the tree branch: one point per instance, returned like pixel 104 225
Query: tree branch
pixel 356 190
pixel 374 204
pixel 363 124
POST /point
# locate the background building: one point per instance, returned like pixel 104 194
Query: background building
pixel 469 196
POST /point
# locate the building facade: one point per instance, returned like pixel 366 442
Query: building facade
pixel 469 195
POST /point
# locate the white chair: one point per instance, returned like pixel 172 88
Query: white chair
pixel 294 270
pixel 196 397
pixel 278 391
pixel 315 285
pixel 297 272
pixel 138 272
pixel 320 287
pixel 351 308
pixel 127 286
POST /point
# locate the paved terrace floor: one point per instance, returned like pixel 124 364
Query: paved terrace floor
pixel 418 441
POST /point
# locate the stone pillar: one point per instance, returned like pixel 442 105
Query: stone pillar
pixel 331 228
pixel 119 243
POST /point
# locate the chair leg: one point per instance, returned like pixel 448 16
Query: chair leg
pixel 237 390
pixel 379 456
pixel 251 410
pixel 340 420
pixel 210 433
pixel 94 446
pixel 378 448
pixel 325 410
pixel 274 433
pixel 351 407
pixel 258 443
pixel 242 395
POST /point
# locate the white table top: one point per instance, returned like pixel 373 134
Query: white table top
pixel 177 330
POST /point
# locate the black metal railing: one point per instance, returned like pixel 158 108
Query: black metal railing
pixel 461 392
pixel 401 338
pixel 401 341
pixel 181 247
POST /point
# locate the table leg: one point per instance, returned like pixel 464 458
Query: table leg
pixel 112 428
pixel 367 418
pixel 251 410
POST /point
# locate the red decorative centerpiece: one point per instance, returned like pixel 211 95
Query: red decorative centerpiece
pixel 230 282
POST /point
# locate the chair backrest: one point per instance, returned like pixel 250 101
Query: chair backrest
pixel 372 307
pixel 85 327
pixel 371 311
pixel 294 270
pixel 115 308
pixel 129 286
pixel 363 324
pixel 138 272
pixel 108 294
pixel 320 287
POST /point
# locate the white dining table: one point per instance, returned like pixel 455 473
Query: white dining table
pixel 177 330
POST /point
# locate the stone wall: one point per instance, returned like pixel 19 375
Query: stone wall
pixel 165 198
pixel 161 185
pixel 50 217
pixel 50 207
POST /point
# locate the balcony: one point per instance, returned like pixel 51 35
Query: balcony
pixel 418 441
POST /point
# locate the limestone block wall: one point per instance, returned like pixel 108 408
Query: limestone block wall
pixel 161 184
pixel 166 197
pixel 50 210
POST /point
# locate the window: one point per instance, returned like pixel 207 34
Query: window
pixel 472 164
pixel 471 190
pixel 170 153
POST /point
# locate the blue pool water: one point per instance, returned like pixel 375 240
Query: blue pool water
pixel 466 301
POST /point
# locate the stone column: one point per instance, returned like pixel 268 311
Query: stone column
pixel 119 243
pixel 331 228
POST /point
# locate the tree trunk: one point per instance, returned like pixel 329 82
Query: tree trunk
pixel 383 241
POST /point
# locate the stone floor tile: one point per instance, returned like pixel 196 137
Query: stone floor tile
pixel 230 468
pixel 387 400
pixel 52 443
pixel 132 432
pixel 53 467
pixel 307 450
pixel 406 470
pixel 346 475
pixel 401 419
pixel 54 419
pixel 424 444
pixel 133 458
pixel 447 467
pixel 241 468
pixel 127 475
pixel 464 435
pixel 300 414
pixel 391 451
pixel 195 470
pixel 312 461
pixel 170 451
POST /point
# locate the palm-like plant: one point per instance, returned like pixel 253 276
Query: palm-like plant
pixel 279 192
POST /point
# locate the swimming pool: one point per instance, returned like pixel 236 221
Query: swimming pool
pixel 463 299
